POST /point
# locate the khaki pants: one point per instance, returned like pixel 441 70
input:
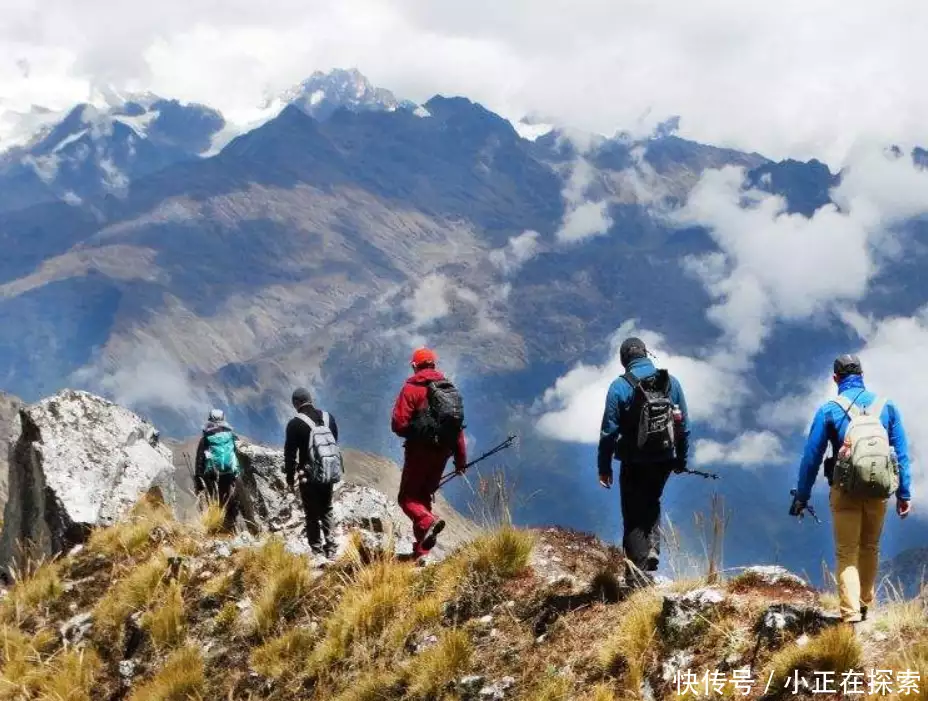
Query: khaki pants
pixel 858 523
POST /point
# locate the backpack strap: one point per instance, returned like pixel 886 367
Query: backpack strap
pixel 849 406
pixel 876 407
pixel 309 422
pixel 325 419
pixel 631 379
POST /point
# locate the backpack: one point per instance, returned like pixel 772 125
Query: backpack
pixel 865 464
pixel 443 418
pixel 220 456
pixel 649 429
pixel 326 465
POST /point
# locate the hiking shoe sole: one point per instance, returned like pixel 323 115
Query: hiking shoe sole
pixel 431 535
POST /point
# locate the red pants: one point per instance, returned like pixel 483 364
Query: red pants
pixel 421 475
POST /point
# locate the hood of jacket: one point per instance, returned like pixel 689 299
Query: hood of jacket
pixel 425 376
pixel 641 368
pixel 216 427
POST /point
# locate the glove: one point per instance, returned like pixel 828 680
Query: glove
pixel 797 507
pixel 679 466
pixel 460 469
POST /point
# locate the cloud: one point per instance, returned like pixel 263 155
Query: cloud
pixel 773 265
pixel 571 410
pixel 805 81
pixel 429 302
pixel 750 449
pixel 583 218
pixel 516 253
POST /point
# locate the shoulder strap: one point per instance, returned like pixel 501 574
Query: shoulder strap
pixel 631 379
pixel 325 419
pixel 849 406
pixel 876 407
pixel 308 421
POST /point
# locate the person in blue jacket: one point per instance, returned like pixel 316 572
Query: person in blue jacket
pixel 644 469
pixel 858 521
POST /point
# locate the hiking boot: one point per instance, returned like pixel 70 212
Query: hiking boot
pixel 431 535
pixel 331 553
pixel 863 613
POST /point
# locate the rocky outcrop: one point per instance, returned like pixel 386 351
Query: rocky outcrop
pixel 9 430
pixel 79 461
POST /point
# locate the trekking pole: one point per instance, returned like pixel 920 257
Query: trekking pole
pixel 808 508
pixel 493 451
pixel 706 475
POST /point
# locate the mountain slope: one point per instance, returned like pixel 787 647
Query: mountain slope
pixel 9 410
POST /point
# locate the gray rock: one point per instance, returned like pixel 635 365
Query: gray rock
pixel 685 616
pixel 497 690
pixel 127 670
pixel 677 661
pixel 469 687
pixel 79 461
pixel 783 619
pixel 76 629
pixel 774 575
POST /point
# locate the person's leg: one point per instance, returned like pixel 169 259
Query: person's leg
pixel 228 497
pixel 411 502
pixel 429 485
pixel 327 518
pixel 873 517
pixel 652 491
pixel 847 515
pixel 634 537
pixel 310 509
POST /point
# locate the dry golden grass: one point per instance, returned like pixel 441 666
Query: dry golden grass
pixel 129 595
pixel 552 687
pixel 26 672
pixel 137 532
pixel 284 653
pixel 504 553
pixel 629 646
pixel 438 667
pixel 220 586
pixel 180 679
pixel 912 656
pixel 600 692
pixel 377 594
pixel 213 517
pixel 69 676
pixel 225 620
pixel 836 649
pixel 282 595
pixel 166 621
pixel 35 587
pixel 379 685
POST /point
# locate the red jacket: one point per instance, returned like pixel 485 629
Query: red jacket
pixel 413 398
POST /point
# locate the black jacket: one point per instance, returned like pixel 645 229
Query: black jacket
pixel 296 445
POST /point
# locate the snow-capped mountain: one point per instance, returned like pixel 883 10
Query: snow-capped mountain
pixel 322 94
pixel 99 148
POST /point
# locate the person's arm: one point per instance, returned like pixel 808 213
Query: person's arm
pixel 812 456
pixel 403 411
pixel 899 442
pixel 460 453
pixel 199 466
pixel 681 430
pixel 333 427
pixel 609 431
pixel 291 446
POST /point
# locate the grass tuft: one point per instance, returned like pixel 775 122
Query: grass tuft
pixel 149 517
pixel 504 553
pixel 286 652
pixel 628 647
pixel 374 686
pixel 439 666
pixel 129 595
pixel 35 587
pixel 180 679
pixel 836 649
pixel 213 517
pixel 166 622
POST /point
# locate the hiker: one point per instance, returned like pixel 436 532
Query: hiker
pixel 313 460
pixel 869 463
pixel 216 466
pixel 645 427
pixel 429 415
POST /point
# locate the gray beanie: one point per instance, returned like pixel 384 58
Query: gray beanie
pixel 301 396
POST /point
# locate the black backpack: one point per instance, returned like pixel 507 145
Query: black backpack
pixel 443 420
pixel 649 426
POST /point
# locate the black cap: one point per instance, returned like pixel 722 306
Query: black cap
pixel 301 396
pixel 632 349
pixel 848 364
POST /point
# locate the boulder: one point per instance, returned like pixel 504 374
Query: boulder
pixel 9 432
pixel 79 461
pixel 684 617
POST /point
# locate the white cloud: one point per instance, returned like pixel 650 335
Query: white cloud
pixel 516 253
pixel 807 80
pixel 583 218
pixel 750 449
pixel 429 302
pixel 572 409
pixel 779 266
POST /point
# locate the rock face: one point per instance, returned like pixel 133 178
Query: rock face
pixel 79 461
pixel 9 430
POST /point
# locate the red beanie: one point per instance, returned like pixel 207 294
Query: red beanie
pixel 424 356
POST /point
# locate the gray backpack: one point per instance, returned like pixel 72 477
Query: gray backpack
pixel 866 464
pixel 326 465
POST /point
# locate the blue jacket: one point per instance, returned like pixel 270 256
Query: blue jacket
pixel 829 426
pixel 618 402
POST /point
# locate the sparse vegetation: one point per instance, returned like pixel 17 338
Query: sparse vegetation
pixel 181 678
pixel 165 621
pixel 626 651
pixel 128 595
pixel 836 649
pixel 36 585
pixel 213 517
pixel 283 653
pixel 149 523
pixel 440 665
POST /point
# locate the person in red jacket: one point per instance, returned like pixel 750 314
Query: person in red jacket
pixel 423 463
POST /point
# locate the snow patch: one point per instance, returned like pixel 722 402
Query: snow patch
pixel 531 132
pixel 317 97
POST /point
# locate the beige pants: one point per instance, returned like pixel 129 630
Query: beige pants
pixel 858 523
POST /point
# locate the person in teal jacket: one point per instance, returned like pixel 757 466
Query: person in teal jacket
pixel 642 477
pixel 857 520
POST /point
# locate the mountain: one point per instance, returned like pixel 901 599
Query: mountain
pixel 322 94
pixel 906 574
pixel 320 251
pixel 98 150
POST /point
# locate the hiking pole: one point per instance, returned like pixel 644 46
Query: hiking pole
pixel 808 507
pixel 493 451
pixel 706 475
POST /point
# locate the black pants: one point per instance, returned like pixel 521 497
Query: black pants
pixel 320 517
pixel 641 488
pixel 224 489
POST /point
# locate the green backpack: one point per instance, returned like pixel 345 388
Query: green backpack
pixel 220 453
pixel 866 465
